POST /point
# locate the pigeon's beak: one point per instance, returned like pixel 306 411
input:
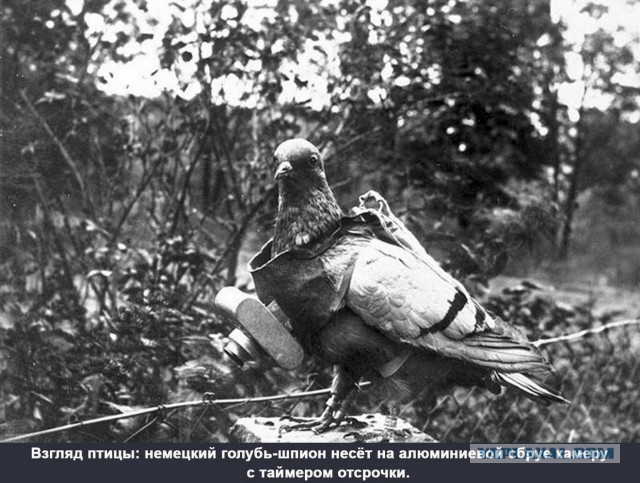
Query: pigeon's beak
pixel 283 170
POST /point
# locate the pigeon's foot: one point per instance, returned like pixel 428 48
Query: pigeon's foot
pixel 328 420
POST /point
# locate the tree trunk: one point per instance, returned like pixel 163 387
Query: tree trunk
pixel 553 143
pixel 206 185
pixel 569 212
pixel 572 195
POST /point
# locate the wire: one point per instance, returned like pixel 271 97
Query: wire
pixel 163 407
pixel 279 397
pixel 586 332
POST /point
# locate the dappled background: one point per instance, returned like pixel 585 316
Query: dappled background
pixel 136 140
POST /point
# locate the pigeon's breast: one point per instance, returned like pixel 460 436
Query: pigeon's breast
pixel 309 284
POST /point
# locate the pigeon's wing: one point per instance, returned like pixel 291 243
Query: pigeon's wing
pixel 412 300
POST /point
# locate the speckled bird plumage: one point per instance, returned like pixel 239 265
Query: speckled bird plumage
pixel 307 208
pixel 397 300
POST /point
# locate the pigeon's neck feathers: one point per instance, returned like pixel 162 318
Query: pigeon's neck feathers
pixel 306 214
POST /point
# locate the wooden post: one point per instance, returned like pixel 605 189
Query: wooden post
pixel 366 427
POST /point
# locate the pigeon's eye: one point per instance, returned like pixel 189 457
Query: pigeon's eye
pixel 313 160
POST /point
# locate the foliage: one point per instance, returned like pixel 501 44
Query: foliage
pixel 123 215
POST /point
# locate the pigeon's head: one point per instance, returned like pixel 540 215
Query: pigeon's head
pixel 298 162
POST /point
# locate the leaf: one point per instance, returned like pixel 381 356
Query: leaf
pixel 299 82
pixel 121 408
pixel 102 273
pixel 532 285
pixel 43 397
pixel 60 343
pixel 51 96
pixel 178 6
pixel 67 327
pixel 37 414
pixel 144 36
pixel 7 322
pixel 320 49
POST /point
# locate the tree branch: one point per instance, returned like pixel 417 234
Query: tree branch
pixel 63 150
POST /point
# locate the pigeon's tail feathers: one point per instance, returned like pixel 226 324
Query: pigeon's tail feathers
pixel 532 389
pixel 491 351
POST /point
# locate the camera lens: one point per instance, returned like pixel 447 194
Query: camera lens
pixel 241 348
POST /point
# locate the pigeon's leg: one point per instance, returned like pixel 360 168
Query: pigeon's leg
pixel 342 390
pixel 341 395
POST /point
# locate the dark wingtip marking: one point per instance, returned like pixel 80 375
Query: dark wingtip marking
pixel 457 304
pixel 481 315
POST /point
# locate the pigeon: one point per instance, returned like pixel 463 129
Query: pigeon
pixel 401 319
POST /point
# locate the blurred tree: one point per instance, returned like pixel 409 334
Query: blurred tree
pixel 46 90
pixel 446 101
pixel 123 214
pixel 603 63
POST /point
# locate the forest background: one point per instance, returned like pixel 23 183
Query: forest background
pixel 136 180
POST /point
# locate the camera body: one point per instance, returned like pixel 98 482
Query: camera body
pixel 262 330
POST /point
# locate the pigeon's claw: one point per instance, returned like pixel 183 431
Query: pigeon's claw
pixel 330 418
pixel 327 422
